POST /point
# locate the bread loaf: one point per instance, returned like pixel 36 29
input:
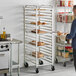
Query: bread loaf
pixel 38 43
pixel 38 31
pixel 38 23
pixel 39 54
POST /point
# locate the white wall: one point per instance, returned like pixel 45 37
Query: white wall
pixel 12 12
pixel 74 2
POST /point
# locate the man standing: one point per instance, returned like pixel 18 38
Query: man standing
pixel 72 36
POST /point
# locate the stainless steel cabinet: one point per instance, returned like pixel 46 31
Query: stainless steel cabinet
pixel 4 59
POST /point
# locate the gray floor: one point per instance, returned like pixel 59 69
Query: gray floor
pixel 46 71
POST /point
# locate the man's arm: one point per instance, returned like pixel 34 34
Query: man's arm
pixel 73 31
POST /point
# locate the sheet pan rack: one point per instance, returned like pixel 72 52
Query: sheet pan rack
pixel 38 36
pixel 64 18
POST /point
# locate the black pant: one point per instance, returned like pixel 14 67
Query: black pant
pixel 74 56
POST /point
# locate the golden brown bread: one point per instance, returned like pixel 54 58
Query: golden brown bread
pixel 38 43
pixel 34 23
pixel 59 33
pixel 41 43
pixel 37 15
pixel 39 54
pixel 39 23
pixel 44 23
pixel 38 31
pixel 40 9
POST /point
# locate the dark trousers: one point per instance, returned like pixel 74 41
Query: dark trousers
pixel 74 56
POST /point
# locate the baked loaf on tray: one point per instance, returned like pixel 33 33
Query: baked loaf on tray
pixel 38 31
pixel 39 54
pixel 38 43
pixel 37 15
pixel 38 23
pixel 40 9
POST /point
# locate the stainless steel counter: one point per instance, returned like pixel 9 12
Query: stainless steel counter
pixel 13 41
pixel 10 42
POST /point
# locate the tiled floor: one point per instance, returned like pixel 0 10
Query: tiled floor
pixel 46 71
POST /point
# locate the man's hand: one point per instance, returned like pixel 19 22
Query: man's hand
pixel 68 41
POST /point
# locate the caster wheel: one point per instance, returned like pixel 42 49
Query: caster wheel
pixel 2 46
pixel 52 68
pixel 64 64
pixel 5 74
pixel 6 46
pixel 71 60
pixel 40 62
pixel 37 70
pixel 26 65
pixel 56 61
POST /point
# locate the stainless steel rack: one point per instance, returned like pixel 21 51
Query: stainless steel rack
pixel 65 26
pixel 43 14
